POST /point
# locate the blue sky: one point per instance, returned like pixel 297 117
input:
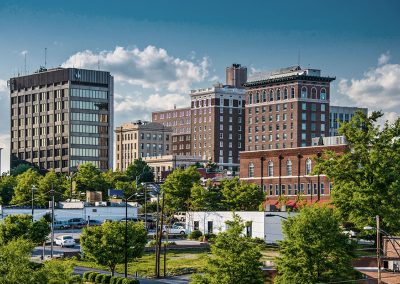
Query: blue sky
pixel 167 47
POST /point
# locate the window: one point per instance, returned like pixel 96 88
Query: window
pixel 322 107
pixel 289 189
pixel 249 229
pixel 292 93
pixel 314 93
pixel 304 92
pixel 308 166
pixel 270 168
pixel 304 106
pixel 276 189
pixel 285 94
pixel 278 94
pixel 289 168
pixel 271 95
pixel 196 225
pixel 322 94
pixel 283 189
pixel 303 116
pixel 210 227
pixel 322 188
pixel 251 169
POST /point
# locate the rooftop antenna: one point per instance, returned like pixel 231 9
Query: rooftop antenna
pixel 45 57
pixel 298 58
pixel 25 62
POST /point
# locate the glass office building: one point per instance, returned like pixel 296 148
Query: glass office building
pixel 62 118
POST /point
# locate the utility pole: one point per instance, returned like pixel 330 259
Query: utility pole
pixel 161 234
pixel 33 197
pixel 145 206
pixel 52 220
pixel 378 248
pixel 157 230
pixel 126 238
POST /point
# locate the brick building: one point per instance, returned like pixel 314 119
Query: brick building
pixel 217 123
pixel 139 139
pixel 286 172
pixel 179 121
pixel 286 108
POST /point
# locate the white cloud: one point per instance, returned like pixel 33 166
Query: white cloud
pixel 3 86
pixel 378 89
pixel 151 67
pixel 214 79
pixel 384 58
pixel 5 153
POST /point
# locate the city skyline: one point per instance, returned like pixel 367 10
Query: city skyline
pixel 158 55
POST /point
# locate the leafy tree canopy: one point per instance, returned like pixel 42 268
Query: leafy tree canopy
pixel 235 258
pixel 23 188
pixel 177 188
pixel 90 178
pixel 105 244
pixel 7 184
pixel 140 169
pixel 367 176
pixel 314 248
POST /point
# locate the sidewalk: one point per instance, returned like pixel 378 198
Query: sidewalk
pixel 184 279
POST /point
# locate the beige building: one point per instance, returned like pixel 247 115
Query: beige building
pixel 141 139
pixel 168 163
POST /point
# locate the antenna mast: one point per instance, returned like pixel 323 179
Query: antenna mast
pixel 45 57
pixel 25 62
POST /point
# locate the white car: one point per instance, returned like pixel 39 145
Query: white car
pixel 174 230
pixel 65 241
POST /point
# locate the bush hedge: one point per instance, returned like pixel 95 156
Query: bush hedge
pixel 92 276
pixel 99 278
pixel 106 279
pixel 130 281
pixel 194 235
pixel 120 280
pixel 86 275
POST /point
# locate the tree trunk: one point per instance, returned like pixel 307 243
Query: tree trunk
pixel 112 268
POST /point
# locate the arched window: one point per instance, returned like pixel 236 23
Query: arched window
pixel 250 98
pixel 289 168
pixel 292 93
pixel 271 95
pixel 304 92
pixel 308 167
pixel 314 93
pixel 322 94
pixel 251 169
pixel 270 169
pixel 257 98
pixel 278 94
pixel 285 94
pixel 264 96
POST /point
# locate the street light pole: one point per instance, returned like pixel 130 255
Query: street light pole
pixel 33 197
pixel 52 220
pixel 126 238
pixel 378 248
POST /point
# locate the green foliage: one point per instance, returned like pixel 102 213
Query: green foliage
pixel 50 180
pixel 314 249
pixel 205 198
pixel 240 196
pixel 85 275
pixel 21 168
pixel 15 266
pixel 177 188
pixel 105 244
pixel 56 271
pixel 106 279
pixel 99 278
pixel 7 184
pixel 141 169
pixel 90 178
pixel 23 188
pixel 111 178
pixel 114 279
pixel 195 235
pixel 366 178
pixel 235 258
pixel 119 280
pixel 21 226
pixel 92 276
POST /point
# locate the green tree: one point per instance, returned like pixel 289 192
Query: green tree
pixel 240 195
pixel 141 169
pixel 15 265
pixel 235 258
pixel 366 177
pixel 51 180
pixel 56 272
pixel 21 226
pixel 23 188
pixel 111 178
pixel 314 248
pixel 89 178
pixel 105 244
pixel 21 168
pixel 177 188
pixel 205 198
pixel 7 184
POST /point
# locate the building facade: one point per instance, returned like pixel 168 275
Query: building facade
pixel 179 121
pixel 217 124
pixel 286 109
pixel 236 76
pixel 287 172
pixel 167 163
pixel 139 139
pixel 338 114
pixel 61 118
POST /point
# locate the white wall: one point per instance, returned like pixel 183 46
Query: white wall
pixel 265 227
pixel 95 213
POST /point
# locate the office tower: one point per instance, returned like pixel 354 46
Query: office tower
pixel 236 75
pixel 286 108
pixel 139 139
pixel 62 118
pixel 340 114
pixel 179 120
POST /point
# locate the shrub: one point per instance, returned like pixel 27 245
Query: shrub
pixel 86 275
pixel 130 281
pixel 99 278
pixel 119 280
pixel 113 280
pixel 92 276
pixel 106 279
pixel 75 279
pixel 195 235
pixel 210 237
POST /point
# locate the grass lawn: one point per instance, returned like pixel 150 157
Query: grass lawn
pixel 179 262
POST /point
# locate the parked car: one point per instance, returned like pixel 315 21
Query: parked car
pixel 180 216
pixel 60 225
pixel 65 241
pixel 76 222
pixel 174 230
pixel 94 222
pixel 130 219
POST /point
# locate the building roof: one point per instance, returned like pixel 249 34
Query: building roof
pixel 288 79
